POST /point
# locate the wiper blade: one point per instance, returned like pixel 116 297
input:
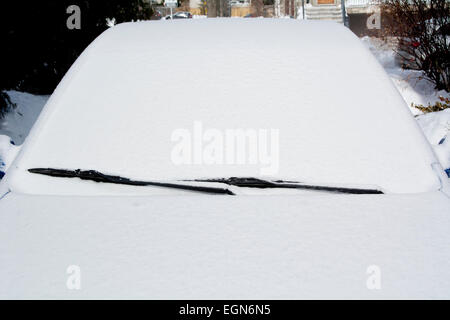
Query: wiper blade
pixel 259 183
pixel 97 176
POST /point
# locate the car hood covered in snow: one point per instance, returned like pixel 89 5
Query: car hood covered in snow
pixel 256 247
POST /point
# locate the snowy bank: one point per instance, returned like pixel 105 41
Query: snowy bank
pixel 436 127
pixel 415 89
pixel 412 84
pixel 16 125
pixel 8 152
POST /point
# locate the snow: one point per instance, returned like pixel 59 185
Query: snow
pixel 122 96
pixel 412 84
pixel 360 3
pixel 223 247
pixel 300 12
pixel 8 152
pixel 18 122
pixel 196 246
pixel 436 126
pixel 416 89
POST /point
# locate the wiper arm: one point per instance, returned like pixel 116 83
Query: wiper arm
pixel 259 183
pixel 97 176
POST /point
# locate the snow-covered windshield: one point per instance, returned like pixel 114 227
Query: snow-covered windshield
pixel 260 98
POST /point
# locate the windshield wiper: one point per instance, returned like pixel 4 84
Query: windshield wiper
pixel 259 183
pixel 97 176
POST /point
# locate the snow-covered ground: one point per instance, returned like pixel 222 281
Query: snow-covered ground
pixel 16 125
pixel 18 122
pixel 411 84
pixel 436 126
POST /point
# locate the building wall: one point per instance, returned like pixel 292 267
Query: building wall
pixel 240 11
pixel 194 4
pixel 196 11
